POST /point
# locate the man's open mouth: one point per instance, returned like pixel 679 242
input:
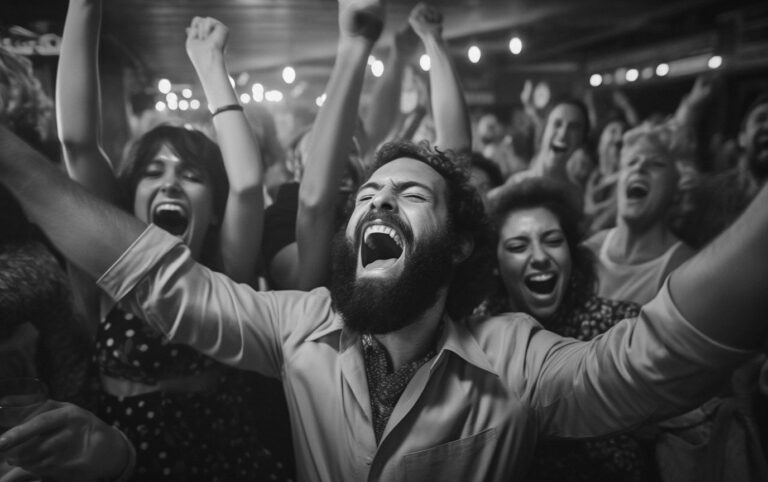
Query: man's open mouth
pixel 541 283
pixel 171 217
pixel 637 189
pixel 382 246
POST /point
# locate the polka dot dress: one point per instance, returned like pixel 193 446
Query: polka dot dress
pixel 180 436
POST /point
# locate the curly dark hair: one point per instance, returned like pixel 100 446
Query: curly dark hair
pixel 561 200
pixel 190 145
pixel 466 216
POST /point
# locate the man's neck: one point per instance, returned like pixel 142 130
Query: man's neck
pixel 635 245
pixel 415 340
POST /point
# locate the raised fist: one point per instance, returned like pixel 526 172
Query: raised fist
pixel 361 18
pixel 206 37
pixel 426 21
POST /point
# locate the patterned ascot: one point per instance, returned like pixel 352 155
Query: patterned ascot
pixel 384 385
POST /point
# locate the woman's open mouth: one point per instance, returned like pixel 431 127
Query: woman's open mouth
pixel 171 217
pixel 541 283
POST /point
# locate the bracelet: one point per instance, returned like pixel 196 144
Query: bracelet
pixel 225 108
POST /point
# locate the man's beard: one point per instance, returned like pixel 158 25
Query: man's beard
pixel 383 306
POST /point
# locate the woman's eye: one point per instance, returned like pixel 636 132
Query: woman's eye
pixel 191 176
pixel 364 197
pixel 515 248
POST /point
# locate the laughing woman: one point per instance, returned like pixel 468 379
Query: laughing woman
pixel 188 417
pixel 546 273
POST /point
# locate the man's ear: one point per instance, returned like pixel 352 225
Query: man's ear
pixel 464 249
pixel 742 140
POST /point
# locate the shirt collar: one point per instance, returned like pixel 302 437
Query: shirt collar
pixel 457 339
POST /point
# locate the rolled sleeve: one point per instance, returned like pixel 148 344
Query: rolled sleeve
pixel 642 369
pixel 140 257
pixel 157 280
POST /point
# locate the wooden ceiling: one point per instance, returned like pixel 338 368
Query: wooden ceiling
pixel 266 35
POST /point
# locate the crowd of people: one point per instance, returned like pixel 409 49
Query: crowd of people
pixel 395 295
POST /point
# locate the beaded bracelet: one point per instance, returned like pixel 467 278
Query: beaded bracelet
pixel 227 107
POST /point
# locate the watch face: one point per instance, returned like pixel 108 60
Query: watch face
pixel 541 95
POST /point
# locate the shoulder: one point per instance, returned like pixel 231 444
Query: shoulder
pixel 595 242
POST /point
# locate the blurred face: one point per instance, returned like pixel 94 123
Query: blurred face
pixel 647 184
pixel 489 129
pixel 534 261
pixel 754 141
pixel 564 132
pixel 609 147
pixel 176 196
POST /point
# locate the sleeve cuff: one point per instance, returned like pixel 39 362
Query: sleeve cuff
pixel 140 257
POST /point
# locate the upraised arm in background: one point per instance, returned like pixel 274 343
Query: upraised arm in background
pixel 78 112
pixel 449 109
pixel 241 229
pixel 78 101
pixel 330 143
pixel 382 111
pixel 692 105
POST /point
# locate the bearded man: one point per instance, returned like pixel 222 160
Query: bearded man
pixel 389 382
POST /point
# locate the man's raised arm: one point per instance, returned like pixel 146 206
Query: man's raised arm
pixel 723 290
pixel 90 232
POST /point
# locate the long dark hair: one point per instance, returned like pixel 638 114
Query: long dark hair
pixel 561 200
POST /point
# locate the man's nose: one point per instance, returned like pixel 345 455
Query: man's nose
pixel 385 200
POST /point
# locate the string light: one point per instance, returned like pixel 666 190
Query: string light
pixel 183 104
pixel 258 92
pixel 160 106
pixel 377 68
pixel 273 96
pixel 632 75
pixel 164 86
pixel 245 98
pixel 425 62
pixel 186 93
pixel 320 100
pixel 194 104
pixel 515 45
pixel 289 75
pixel 714 62
pixel 474 54
pixel 662 70
pixel 595 80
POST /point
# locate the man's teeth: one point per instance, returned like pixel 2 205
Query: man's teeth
pixel 379 228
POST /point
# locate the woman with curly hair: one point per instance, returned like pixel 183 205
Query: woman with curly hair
pixel 543 271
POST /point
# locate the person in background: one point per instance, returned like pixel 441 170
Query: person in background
pixel 187 415
pixel 484 174
pixel 495 144
pixel 600 191
pixel 545 272
pixel 565 132
pixel 635 257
